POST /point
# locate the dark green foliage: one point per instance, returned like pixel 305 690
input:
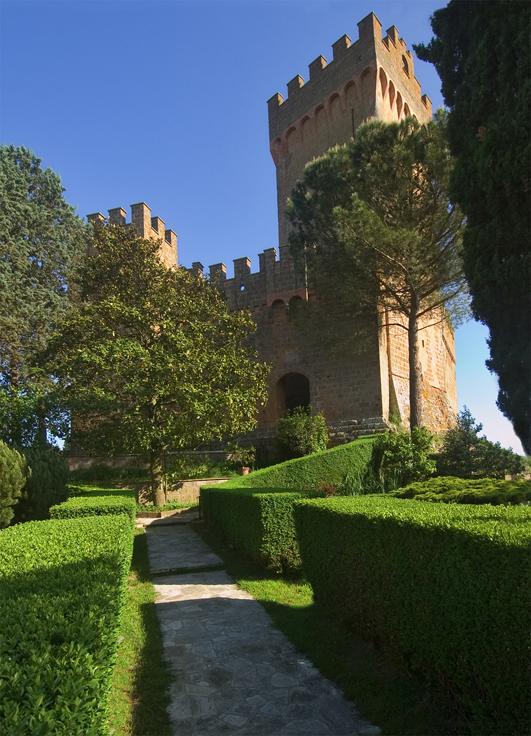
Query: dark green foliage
pixel 94 505
pixel 461 490
pixel 309 472
pixel 151 358
pixel 467 454
pixel 372 222
pixel 258 524
pixel 62 588
pixel 255 512
pixel 46 484
pixel 401 457
pixel 13 474
pixel 482 53
pixel 104 474
pixel 300 432
pixel 41 239
pixel 444 587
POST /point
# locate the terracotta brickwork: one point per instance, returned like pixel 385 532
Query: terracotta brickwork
pixel 148 227
pixel 360 379
pixel 370 78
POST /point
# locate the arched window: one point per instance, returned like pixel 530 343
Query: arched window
pixel 295 304
pixel 405 66
pixel 407 111
pixel 278 309
pixel 293 390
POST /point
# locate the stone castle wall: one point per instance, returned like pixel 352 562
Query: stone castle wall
pixel 147 227
pixel 370 78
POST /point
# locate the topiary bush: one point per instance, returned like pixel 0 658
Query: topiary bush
pixel 13 474
pixel 254 513
pixel 260 525
pixel 466 454
pixel 466 490
pixel 309 472
pixel 46 484
pixel 443 587
pixel 300 432
pixel 94 505
pixel 62 589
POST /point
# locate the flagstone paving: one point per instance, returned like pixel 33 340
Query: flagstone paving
pixel 234 672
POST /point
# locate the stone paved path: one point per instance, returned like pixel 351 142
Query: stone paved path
pixel 234 672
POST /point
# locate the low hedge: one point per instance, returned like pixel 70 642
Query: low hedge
pixel 309 472
pixel 445 587
pixel 92 505
pixel 447 489
pixel 62 587
pixel 254 513
pixel 260 525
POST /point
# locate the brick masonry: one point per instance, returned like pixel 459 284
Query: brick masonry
pixel 357 383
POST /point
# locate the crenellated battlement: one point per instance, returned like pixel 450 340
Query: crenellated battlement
pixel 372 77
pixel 148 227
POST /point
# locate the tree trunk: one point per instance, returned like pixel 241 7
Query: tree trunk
pixel 157 476
pixel 415 373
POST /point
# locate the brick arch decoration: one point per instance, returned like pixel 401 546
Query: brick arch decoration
pixel 383 82
pixel 335 106
pixel 307 127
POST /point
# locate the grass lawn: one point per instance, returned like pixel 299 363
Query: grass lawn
pixel 139 693
pixel 382 691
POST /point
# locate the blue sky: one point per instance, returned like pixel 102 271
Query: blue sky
pixel 165 102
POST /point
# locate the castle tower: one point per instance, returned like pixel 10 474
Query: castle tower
pixel 147 227
pixel 370 78
pixel 358 384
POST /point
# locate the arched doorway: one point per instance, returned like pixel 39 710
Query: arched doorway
pixel 293 390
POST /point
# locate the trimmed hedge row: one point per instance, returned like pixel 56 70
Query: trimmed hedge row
pixel 255 512
pixel 447 489
pixel 93 505
pixel 260 525
pixel 62 587
pixel 443 586
pixel 307 473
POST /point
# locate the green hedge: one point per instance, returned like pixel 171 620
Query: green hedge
pixel 255 512
pixel 62 587
pixel 444 586
pixel 94 505
pixel 309 472
pixel 260 525
pixel 463 490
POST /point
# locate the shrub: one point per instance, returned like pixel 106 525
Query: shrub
pixel 260 525
pixel 62 587
pixel 399 458
pixel 46 484
pixel 465 490
pixel 255 512
pixel 444 587
pixel 466 454
pixel 93 505
pixel 300 432
pixel 13 474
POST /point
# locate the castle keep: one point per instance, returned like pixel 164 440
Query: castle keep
pixel 358 384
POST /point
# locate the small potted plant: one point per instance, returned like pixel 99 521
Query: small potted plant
pixel 243 458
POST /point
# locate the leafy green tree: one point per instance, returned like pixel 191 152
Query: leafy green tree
pixel 401 457
pixel 374 225
pixel 151 358
pixel 41 240
pixel 467 454
pixel 482 53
